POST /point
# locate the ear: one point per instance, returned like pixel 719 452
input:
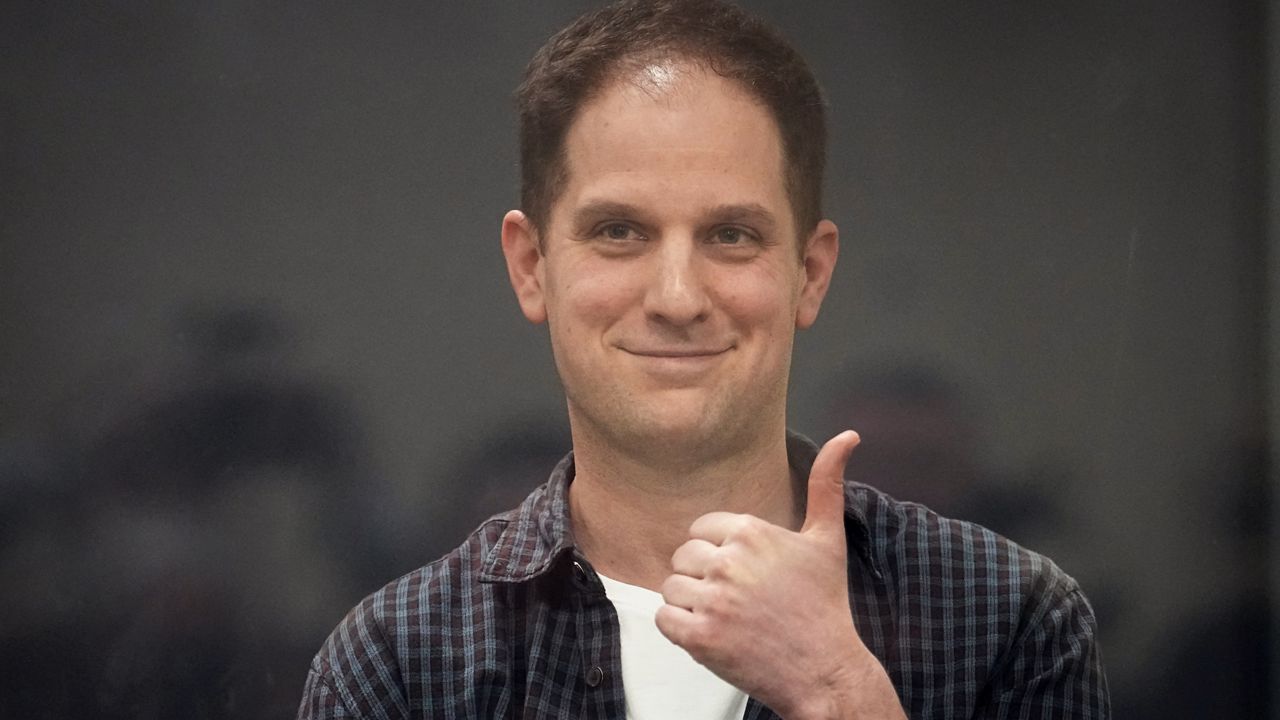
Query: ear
pixel 524 264
pixel 819 262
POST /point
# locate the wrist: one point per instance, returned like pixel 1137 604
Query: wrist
pixel 858 689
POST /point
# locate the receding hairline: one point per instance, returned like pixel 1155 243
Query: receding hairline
pixel 648 68
pixel 584 58
pixel 635 70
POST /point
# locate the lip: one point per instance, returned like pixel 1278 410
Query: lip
pixel 676 354
pixel 676 367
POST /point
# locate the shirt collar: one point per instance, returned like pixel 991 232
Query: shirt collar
pixel 539 532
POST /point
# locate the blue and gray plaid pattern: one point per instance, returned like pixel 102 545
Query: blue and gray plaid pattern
pixel 514 623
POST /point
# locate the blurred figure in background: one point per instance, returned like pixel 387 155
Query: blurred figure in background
pixel 1221 657
pixel 926 445
pixel 221 509
pixel 495 476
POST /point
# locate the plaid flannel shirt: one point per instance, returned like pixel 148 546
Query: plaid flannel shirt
pixel 515 623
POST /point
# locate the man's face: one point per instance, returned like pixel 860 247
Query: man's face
pixel 669 274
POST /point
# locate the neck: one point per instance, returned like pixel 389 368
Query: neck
pixel 631 511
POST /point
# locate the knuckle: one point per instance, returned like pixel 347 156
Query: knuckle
pixel 720 566
pixel 749 530
pixel 717 601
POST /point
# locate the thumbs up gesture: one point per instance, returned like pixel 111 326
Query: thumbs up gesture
pixel 767 609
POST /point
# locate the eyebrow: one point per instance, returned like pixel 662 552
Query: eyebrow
pixel 598 210
pixel 751 213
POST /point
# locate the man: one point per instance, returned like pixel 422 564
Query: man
pixel 690 558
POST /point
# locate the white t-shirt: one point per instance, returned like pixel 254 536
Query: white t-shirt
pixel 661 680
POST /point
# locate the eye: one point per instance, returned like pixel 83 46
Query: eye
pixel 619 232
pixel 731 235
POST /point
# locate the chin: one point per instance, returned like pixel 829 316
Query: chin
pixel 673 421
pixel 676 425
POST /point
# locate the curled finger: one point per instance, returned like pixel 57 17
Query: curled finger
pixel 693 558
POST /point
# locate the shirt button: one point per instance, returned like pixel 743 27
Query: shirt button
pixel 579 573
pixel 594 676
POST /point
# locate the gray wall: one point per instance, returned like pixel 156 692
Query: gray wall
pixel 258 354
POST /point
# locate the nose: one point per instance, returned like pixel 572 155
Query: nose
pixel 677 294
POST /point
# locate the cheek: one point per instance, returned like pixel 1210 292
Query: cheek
pixel 759 299
pixel 588 295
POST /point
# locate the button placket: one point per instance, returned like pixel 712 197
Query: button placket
pixel 580 574
pixel 591 601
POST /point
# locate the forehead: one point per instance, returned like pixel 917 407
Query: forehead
pixel 676 134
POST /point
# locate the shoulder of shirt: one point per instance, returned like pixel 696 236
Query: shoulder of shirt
pixel 1026 618
pixel 910 542
pixel 366 648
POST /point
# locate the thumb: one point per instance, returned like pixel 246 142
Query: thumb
pixel 826 483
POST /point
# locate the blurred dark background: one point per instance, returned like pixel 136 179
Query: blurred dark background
pixel 258 354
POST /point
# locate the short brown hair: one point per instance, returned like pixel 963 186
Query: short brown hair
pixel 578 62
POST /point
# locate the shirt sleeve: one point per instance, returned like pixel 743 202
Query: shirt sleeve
pixel 355 674
pixel 320 701
pixel 1055 670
